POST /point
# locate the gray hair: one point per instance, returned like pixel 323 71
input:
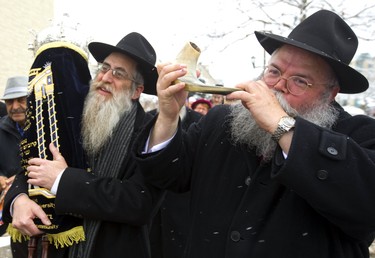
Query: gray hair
pixel 138 79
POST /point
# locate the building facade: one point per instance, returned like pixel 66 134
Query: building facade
pixel 20 21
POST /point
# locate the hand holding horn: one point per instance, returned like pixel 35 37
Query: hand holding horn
pixel 189 55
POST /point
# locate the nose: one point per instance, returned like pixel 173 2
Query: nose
pixel 281 85
pixel 107 76
pixel 16 104
pixel 19 105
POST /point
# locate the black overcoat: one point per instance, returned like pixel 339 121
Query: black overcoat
pixel 319 202
pixel 170 227
pixel 10 160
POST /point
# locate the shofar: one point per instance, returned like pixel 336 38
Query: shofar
pixel 189 55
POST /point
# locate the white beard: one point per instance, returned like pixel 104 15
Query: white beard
pixel 100 116
pixel 245 131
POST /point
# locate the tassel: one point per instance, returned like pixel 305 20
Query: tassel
pixel 15 235
pixel 59 240
pixel 67 238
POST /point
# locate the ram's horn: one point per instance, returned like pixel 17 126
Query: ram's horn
pixel 189 55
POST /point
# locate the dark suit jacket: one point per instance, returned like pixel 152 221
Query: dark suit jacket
pixel 319 202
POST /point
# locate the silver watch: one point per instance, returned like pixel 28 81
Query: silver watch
pixel 285 124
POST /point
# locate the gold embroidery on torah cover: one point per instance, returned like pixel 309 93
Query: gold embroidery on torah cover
pixel 54 112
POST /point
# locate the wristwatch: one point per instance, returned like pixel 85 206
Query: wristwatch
pixel 285 124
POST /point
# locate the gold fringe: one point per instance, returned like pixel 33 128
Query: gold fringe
pixel 62 239
pixel 67 238
pixel 15 235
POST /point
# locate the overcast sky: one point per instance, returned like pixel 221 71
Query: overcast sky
pixel 168 25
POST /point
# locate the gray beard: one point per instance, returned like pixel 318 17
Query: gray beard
pixel 100 117
pixel 245 131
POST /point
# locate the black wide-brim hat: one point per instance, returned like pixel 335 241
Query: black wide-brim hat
pixel 324 33
pixel 137 47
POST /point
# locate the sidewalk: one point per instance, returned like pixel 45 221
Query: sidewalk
pixel 372 250
pixel 6 253
pixel 4 247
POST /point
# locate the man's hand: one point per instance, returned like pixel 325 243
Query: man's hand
pixel 24 211
pixel 43 172
pixel 3 183
pixel 171 98
pixel 261 102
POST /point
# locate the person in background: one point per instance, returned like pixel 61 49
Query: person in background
pixel 190 100
pixel 11 133
pixel 113 199
pixel 11 128
pixel 201 106
pixel 3 109
pixel 217 99
pixel 285 173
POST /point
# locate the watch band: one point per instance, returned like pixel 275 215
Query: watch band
pixel 285 124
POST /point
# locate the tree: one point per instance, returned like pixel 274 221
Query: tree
pixel 266 15
pixel 281 17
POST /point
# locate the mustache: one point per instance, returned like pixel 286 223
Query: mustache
pixel 18 111
pixel 102 85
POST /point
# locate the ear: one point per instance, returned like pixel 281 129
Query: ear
pixel 137 92
pixel 334 92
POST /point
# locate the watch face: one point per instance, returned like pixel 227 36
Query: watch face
pixel 285 124
pixel 288 121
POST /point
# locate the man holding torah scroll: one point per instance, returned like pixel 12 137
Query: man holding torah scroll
pixel 58 84
pixel 112 199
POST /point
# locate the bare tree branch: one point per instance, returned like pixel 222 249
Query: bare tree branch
pixel 295 12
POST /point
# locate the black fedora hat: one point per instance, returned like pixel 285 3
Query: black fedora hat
pixel 137 47
pixel 324 33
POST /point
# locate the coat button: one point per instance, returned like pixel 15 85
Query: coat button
pixel 247 180
pixel 332 151
pixel 235 236
pixel 322 174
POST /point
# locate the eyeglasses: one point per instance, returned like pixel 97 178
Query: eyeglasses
pixel 117 73
pixel 296 85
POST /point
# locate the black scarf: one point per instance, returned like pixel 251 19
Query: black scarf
pixel 107 164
